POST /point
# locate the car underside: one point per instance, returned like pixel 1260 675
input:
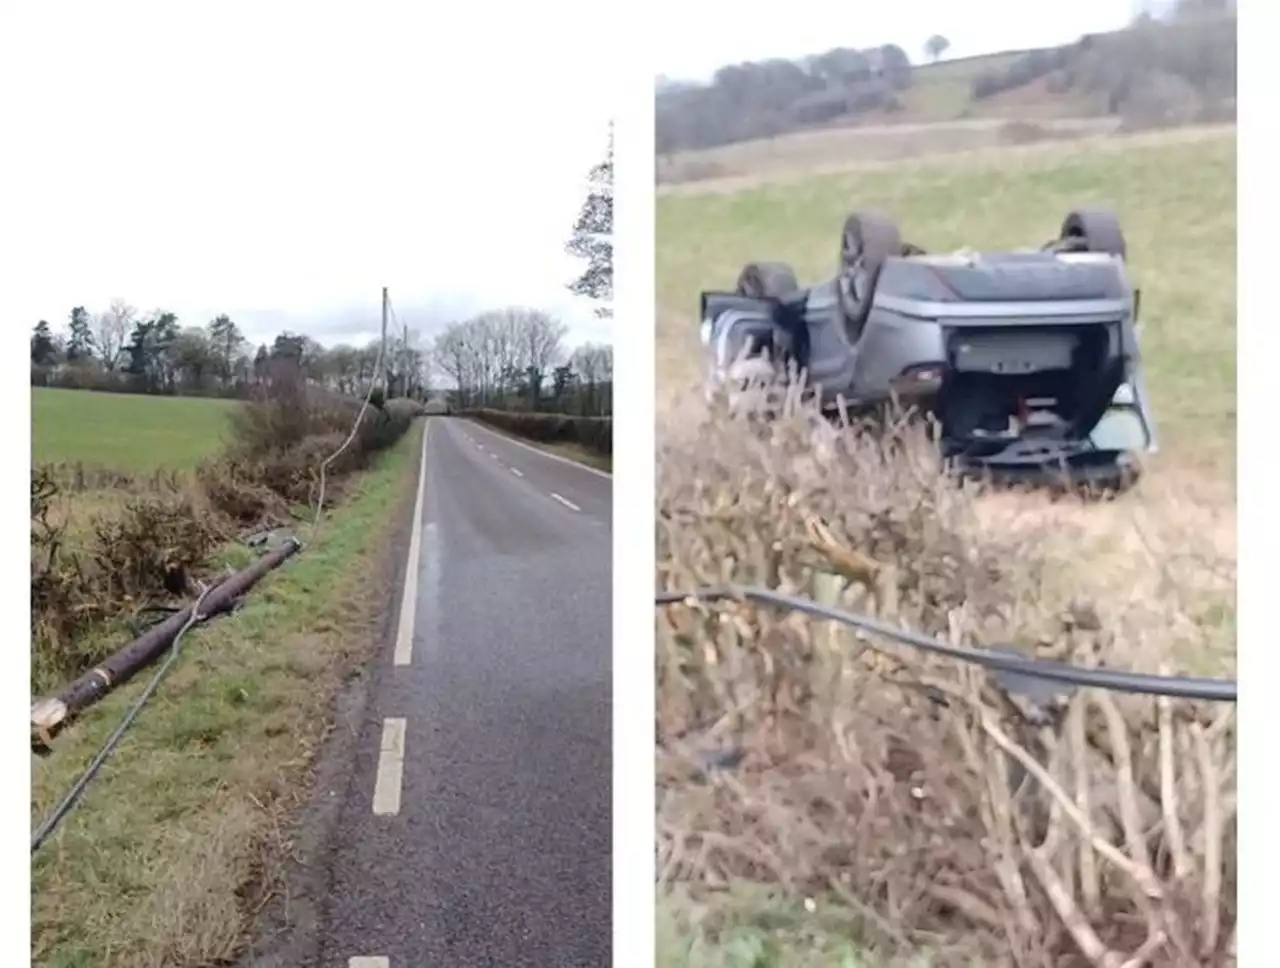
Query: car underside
pixel 1026 362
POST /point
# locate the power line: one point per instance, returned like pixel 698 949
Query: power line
pixel 68 802
pixel 1010 663
pixel 379 367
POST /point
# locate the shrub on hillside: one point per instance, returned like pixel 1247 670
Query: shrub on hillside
pixel 118 564
pixel 1151 74
pixel 1026 68
pixel 285 410
pixel 908 791
pixel 593 433
pixel 235 488
pixel 282 435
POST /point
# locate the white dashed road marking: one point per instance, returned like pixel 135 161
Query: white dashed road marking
pixel 517 473
pixel 548 455
pixel 386 789
pixel 409 600
pixel 566 502
pixel 366 962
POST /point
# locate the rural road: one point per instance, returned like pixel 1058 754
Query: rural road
pixel 476 828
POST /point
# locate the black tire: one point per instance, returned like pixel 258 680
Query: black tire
pixel 1098 229
pixel 767 280
pixel 868 239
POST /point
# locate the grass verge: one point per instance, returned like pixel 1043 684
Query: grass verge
pixel 755 928
pixel 177 844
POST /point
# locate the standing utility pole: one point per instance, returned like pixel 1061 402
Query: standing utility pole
pixel 383 351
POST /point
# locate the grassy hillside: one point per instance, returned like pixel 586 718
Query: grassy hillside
pixel 125 432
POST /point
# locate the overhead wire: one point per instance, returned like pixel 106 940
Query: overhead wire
pixel 355 427
pixel 1010 662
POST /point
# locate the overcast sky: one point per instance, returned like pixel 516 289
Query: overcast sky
pixel 713 33
pixel 281 162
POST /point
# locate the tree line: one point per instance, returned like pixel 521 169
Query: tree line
pixel 763 99
pixel 515 359
pixel 511 357
pixel 1176 63
pixel 122 350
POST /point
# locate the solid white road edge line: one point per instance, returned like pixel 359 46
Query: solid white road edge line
pixel 544 453
pixel 409 598
pixel 566 502
pixel 386 789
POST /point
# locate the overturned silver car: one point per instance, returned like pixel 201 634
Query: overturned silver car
pixel 1026 362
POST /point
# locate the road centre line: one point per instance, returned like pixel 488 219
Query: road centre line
pixel 566 502
pixel 390 777
pixel 545 453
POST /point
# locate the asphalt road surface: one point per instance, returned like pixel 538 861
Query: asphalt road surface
pixel 476 830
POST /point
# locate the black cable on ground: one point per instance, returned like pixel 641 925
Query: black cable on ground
pixel 73 796
pixel 1180 687
pixel 149 617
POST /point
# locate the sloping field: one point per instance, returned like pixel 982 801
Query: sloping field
pixel 125 432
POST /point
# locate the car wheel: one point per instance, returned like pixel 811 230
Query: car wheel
pixel 767 280
pixel 1097 229
pixel 867 241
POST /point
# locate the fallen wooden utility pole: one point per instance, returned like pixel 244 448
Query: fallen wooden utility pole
pixel 51 715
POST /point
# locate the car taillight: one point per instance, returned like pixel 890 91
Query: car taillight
pixel 918 380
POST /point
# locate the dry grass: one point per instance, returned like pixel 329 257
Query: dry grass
pixel 883 785
pixel 819 848
pixel 836 149
pixel 179 842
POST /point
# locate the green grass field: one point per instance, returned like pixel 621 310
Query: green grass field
pixel 125 432
pixel 1174 192
pixel 943 91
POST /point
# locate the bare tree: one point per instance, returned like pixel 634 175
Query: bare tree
pixel 111 331
pixel 500 353
pixel 226 344
pixel 542 338
pixel 450 352
pixel 594 365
